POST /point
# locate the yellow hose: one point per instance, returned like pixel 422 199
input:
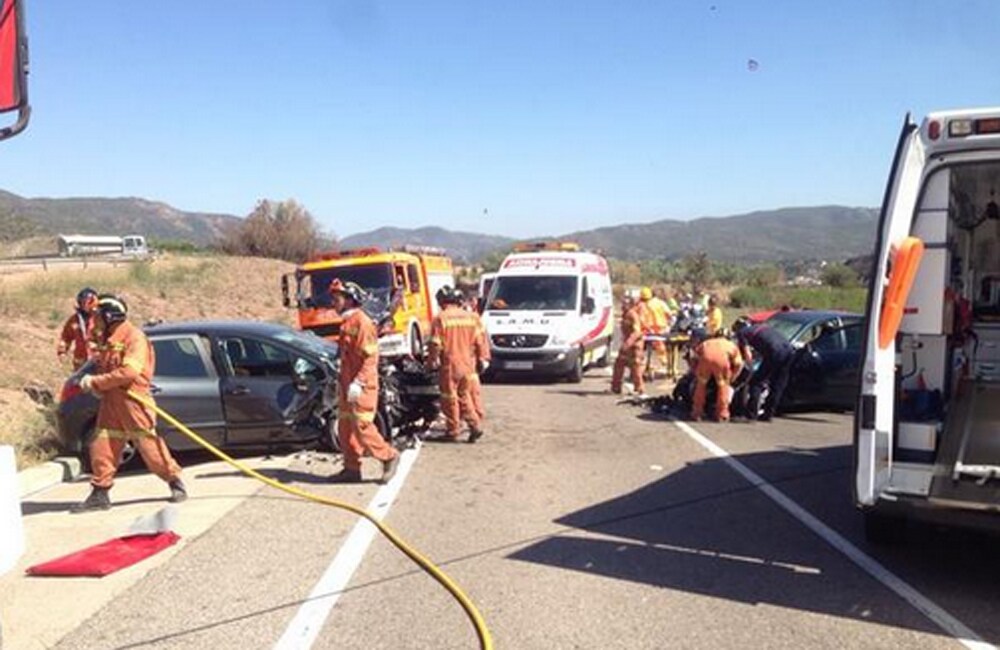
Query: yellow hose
pixel 485 640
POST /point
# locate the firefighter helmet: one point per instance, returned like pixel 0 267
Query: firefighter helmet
pixel 86 299
pixel 111 308
pixel 446 295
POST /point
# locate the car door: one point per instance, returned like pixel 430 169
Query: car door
pixel 186 385
pixel 835 355
pixel 267 391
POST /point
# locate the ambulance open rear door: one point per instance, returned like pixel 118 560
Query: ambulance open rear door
pixel 875 421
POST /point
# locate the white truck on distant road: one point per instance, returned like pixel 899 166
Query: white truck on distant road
pixel 127 245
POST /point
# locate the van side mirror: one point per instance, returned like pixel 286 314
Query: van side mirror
pixel 13 66
pixel 589 306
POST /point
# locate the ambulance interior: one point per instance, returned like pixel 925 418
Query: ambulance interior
pixel 948 397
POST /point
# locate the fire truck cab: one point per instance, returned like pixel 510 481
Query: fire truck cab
pixel 402 284
pixel 927 425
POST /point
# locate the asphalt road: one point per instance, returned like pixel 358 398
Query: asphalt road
pixel 575 523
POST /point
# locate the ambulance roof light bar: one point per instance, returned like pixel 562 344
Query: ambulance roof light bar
pixel 528 247
pixel 964 127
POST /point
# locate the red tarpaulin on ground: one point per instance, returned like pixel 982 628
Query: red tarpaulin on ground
pixel 107 557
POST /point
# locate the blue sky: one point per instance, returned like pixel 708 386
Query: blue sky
pixel 515 118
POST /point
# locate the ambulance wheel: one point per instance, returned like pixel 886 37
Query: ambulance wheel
pixel 575 375
pixel 884 530
pixel 605 359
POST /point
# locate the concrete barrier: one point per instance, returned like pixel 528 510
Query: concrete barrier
pixel 12 539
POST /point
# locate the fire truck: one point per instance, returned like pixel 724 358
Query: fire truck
pixel 401 282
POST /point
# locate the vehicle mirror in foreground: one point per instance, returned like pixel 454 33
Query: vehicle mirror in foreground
pixel 13 66
pixel 588 305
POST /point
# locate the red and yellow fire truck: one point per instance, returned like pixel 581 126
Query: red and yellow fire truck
pixel 401 282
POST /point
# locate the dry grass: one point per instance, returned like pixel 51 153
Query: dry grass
pixel 34 305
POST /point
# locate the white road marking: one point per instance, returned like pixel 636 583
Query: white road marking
pixel 869 565
pixel 303 629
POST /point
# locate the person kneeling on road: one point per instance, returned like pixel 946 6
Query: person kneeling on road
pixel 125 362
pixel 457 345
pixel 357 387
pixel 715 358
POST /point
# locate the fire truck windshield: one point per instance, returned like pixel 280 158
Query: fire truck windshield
pixel 374 278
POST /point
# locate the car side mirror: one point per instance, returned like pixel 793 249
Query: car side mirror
pixel 589 306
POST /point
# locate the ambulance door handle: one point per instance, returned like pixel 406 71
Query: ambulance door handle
pixel 239 390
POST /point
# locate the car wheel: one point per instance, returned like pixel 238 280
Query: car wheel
pixel 575 375
pixel 128 459
pixel 384 425
pixel 416 343
pixel 884 530
pixel 330 441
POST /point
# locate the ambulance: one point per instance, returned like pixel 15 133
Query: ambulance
pixel 549 311
pixel 402 283
pixel 927 423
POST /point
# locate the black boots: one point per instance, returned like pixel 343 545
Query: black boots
pixel 474 435
pixel 98 500
pixel 178 492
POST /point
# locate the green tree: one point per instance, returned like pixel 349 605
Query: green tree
pixel 697 271
pixel 838 275
pixel 284 230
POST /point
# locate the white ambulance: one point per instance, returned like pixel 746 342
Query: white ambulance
pixel 549 311
pixel 927 426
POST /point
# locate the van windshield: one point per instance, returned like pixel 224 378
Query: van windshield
pixel 541 292
pixel 374 278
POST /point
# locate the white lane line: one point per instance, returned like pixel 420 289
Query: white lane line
pixel 869 565
pixel 303 629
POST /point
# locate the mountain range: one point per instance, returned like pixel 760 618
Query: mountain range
pixel 802 233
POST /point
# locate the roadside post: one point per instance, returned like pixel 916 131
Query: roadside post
pixel 12 539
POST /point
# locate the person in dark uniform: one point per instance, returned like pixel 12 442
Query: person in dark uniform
pixel 776 355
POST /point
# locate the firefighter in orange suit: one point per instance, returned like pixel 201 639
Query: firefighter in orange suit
pixel 482 365
pixel 357 387
pixel 125 362
pixel 78 331
pixel 457 345
pixel 720 359
pixel 657 323
pixel 631 351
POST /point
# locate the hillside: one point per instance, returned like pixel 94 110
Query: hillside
pixel 22 217
pixel 463 246
pixel 825 232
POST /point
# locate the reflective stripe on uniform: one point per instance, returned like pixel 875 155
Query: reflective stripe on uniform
pixel 361 416
pixel 118 434
pixel 134 363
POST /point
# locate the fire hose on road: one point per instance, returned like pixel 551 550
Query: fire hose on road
pixel 485 640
